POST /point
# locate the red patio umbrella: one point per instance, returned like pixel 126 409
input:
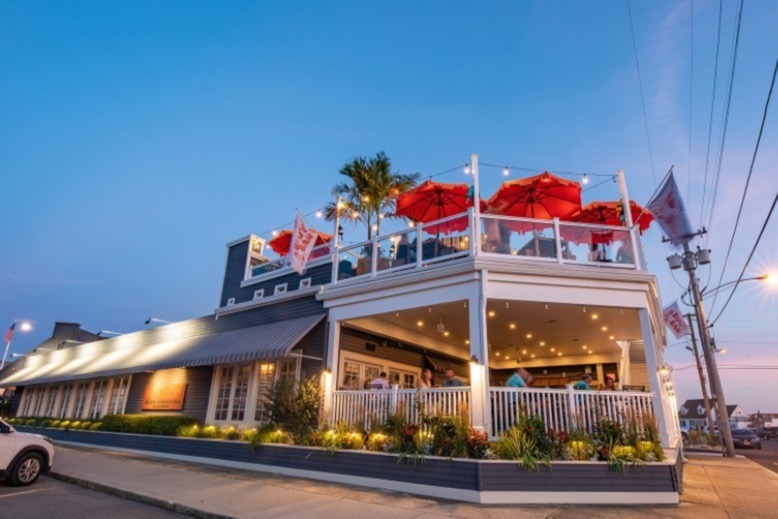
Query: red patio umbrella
pixel 431 201
pixel 603 213
pixel 283 240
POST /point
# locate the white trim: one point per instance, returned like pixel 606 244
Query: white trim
pixel 471 496
pixel 241 240
pixel 259 294
pixel 386 365
pixel 283 271
pixel 304 283
pixel 268 300
pixel 281 288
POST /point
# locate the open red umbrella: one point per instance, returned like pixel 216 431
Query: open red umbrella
pixel 543 196
pixel 603 213
pixel 283 240
pixel 431 201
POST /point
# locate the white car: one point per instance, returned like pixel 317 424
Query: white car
pixel 23 456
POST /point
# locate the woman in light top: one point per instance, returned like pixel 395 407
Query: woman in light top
pixel 425 381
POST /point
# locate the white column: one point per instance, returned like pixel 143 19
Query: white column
pixel 479 348
pixel 655 383
pixel 330 376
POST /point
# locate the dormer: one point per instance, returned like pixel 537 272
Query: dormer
pixel 700 409
pixel 684 411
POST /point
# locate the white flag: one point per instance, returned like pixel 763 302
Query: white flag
pixel 303 240
pixel 669 211
pixel 676 321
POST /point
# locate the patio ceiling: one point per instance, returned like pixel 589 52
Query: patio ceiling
pixel 526 331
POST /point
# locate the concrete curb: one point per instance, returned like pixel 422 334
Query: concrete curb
pixel 140 498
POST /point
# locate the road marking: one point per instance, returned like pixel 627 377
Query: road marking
pixel 26 492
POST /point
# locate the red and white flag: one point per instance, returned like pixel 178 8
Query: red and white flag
pixel 676 321
pixel 669 211
pixel 303 241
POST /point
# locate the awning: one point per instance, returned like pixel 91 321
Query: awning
pixel 437 365
pixel 114 358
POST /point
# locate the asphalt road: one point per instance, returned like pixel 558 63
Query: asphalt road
pixel 767 457
pixel 55 499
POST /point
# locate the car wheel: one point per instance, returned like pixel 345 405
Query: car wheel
pixel 26 470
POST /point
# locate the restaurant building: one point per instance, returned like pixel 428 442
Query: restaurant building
pixel 473 292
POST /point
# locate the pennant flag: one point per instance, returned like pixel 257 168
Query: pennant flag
pixel 669 211
pixel 10 333
pixel 676 321
pixel 303 240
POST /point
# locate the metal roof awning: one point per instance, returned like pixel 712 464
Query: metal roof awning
pixel 94 360
pixel 438 365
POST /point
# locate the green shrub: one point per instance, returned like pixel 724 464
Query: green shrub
pixel 145 424
pixel 294 407
pixel 522 445
pixel 95 426
pixel 230 433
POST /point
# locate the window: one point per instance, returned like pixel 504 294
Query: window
pixel 358 370
pixel 305 283
pixel 404 379
pixel 64 401
pixel 259 294
pixel 280 289
pixel 52 401
pixel 223 395
pixel 80 403
pixel 118 395
pixel 266 377
pixel 289 369
pixel 351 375
pixel 98 399
pixel 242 378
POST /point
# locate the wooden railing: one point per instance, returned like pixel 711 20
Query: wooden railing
pixel 567 409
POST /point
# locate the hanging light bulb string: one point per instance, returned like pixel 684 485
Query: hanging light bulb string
pixel 506 169
pixel 274 231
pixel 612 179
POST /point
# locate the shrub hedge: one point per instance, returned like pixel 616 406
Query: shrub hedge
pixel 143 424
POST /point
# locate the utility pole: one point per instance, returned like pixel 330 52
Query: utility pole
pixel 703 385
pixel 690 260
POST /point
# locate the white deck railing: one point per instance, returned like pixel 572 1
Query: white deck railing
pixel 371 407
pixel 560 409
pixel 567 409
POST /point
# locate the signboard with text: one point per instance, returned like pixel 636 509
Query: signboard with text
pixel 168 397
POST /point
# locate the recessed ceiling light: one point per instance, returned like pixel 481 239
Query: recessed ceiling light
pixel 491 313
pixel 467 341
pixel 612 337
pixel 583 347
pixel 532 356
pixel 529 336
pixel 595 317
pixel 419 323
pixel 591 352
pixel 560 353
pixel 446 334
pixel 507 357
pixel 553 349
pixel 542 343
pixel 604 328
pixel 497 353
pixel 523 352
pixel 512 326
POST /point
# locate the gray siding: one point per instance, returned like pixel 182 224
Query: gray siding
pixel 235 272
pixel 448 473
pixel 198 388
pixel 313 345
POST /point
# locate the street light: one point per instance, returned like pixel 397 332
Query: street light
pixel 24 326
pixel 771 279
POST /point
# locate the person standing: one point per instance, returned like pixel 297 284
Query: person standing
pixel 452 381
pixel 425 381
pixel 380 382
pixel 585 383
pixel 520 378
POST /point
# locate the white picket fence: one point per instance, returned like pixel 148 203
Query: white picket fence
pixel 371 407
pixel 560 409
pixel 566 409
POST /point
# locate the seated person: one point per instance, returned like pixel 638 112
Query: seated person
pixel 381 382
pixel 595 253
pixel 451 381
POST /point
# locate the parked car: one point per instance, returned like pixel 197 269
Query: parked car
pixel 23 456
pixel 767 433
pixel 746 439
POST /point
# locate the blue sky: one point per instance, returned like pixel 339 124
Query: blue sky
pixel 137 138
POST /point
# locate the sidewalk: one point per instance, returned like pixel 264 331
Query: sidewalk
pixel 714 488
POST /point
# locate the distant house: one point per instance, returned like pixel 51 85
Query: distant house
pixel 760 419
pixel 691 414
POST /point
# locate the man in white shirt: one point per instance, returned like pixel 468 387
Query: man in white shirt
pixel 380 382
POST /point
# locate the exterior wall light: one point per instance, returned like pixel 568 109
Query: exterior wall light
pixel 474 360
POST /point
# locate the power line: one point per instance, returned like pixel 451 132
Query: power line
pixel 731 82
pixel 712 105
pixel 691 99
pixel 748 178
pixel 642 97
pixel 753 249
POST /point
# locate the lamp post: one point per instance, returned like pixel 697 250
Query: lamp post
pixel 24 327
pixel 690 261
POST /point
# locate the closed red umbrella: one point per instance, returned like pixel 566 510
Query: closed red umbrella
pixel 431 201
pixel 603 213
pixel 283 240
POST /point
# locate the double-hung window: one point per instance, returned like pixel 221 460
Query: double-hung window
pixel 118 395
pixel 98 399
pixel 232 392
pixel 64 400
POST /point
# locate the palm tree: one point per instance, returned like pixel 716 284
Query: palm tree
pixel 370 193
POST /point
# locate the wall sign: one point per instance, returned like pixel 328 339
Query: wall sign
pixel 168 397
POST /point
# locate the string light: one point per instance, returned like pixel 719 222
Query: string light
pixel 319 214
pixel 467 169
pixel 506 171
pixel 585 179
pixel 275 232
